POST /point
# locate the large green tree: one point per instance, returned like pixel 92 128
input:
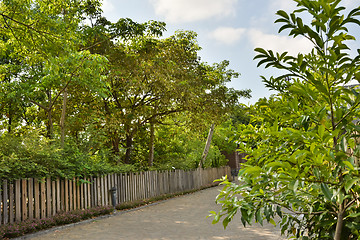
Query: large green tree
pixel 42 58
pixel 303 142
pixel 153 79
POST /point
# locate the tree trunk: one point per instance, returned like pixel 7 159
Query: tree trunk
pixel 339 223
pixel 50 122
pixel 62 119
pixel 115 141
pixel 151 144
pixel 129 143
pixel 10 117
pixel 207 146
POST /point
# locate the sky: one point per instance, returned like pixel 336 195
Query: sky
pixel 227 30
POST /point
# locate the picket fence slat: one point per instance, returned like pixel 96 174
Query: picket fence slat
pixel 5 202
pixel 11 203
pixel 33 198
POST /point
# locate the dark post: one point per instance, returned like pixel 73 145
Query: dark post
pixel 113 196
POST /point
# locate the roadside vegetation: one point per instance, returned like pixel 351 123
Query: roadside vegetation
pixel 303 142
pixel 80 95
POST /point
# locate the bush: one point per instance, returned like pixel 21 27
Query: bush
pixel 33 225
pixel 32 156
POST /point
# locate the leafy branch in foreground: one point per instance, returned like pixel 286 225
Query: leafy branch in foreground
pixel 303 143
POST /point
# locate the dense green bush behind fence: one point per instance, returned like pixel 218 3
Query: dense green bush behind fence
pixel 33 198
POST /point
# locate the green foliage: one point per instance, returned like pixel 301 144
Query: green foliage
pixel 180 148
pixel 33 156
pixel 303 142
pixel 88 97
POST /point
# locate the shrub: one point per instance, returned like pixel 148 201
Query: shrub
pixel 32 225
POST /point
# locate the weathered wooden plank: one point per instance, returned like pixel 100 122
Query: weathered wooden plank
pixel 81 195
pixel 24 199
pixel 66 194
pixel 128 190
pixel 5 202
pixel 94 192
pixel 131 187
pixel 154 183
pixel 62 194
pixel 53 197
pixel 58 197
pixel 101 190
pixel 77 186
pixel 110 183
pixel 109 186
pixel 17 200
pixel 88 186
pixel 89 196
pixel 120 178
pixel 142 195
pixel 74 193
pixel 86 195
pixel 106 190
pixel 2 210
pixel 125 182
pixel 146 184
pixel 142 184
pixel 138 186
pixel 126 187
pixel 116 185
pixel 98 191
pixel 30 190
pixel 135 186
pixel 71 195
pixel 42 199
pixel 48 197
pixel 36 198
pixel 95 189
pixel 11 203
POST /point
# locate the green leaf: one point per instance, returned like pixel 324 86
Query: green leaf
pixel 353 215
pixel 258 217
pixel 283 14
pixel 272 222
pixel 326 191
pixel 349 165
pixel 349 183
pixel 321 131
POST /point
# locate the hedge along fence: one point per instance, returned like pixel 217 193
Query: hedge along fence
pixel 32 198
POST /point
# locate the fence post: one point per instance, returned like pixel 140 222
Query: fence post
pixel 48 197
pixel 24 199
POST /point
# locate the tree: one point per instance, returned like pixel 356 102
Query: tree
pixel 303 142
pixel 42 39
pixel 152 79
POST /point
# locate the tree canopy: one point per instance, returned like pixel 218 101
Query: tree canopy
pixel 90 95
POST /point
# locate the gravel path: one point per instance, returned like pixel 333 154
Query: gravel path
pixel 178 218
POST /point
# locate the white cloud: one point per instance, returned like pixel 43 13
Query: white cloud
pixel 279 43
pixel 193 10
pixel 286 5
pixel 350 4
pixel 228 35
pixel 107 6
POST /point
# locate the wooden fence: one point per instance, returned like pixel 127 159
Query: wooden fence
pixel 32 198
